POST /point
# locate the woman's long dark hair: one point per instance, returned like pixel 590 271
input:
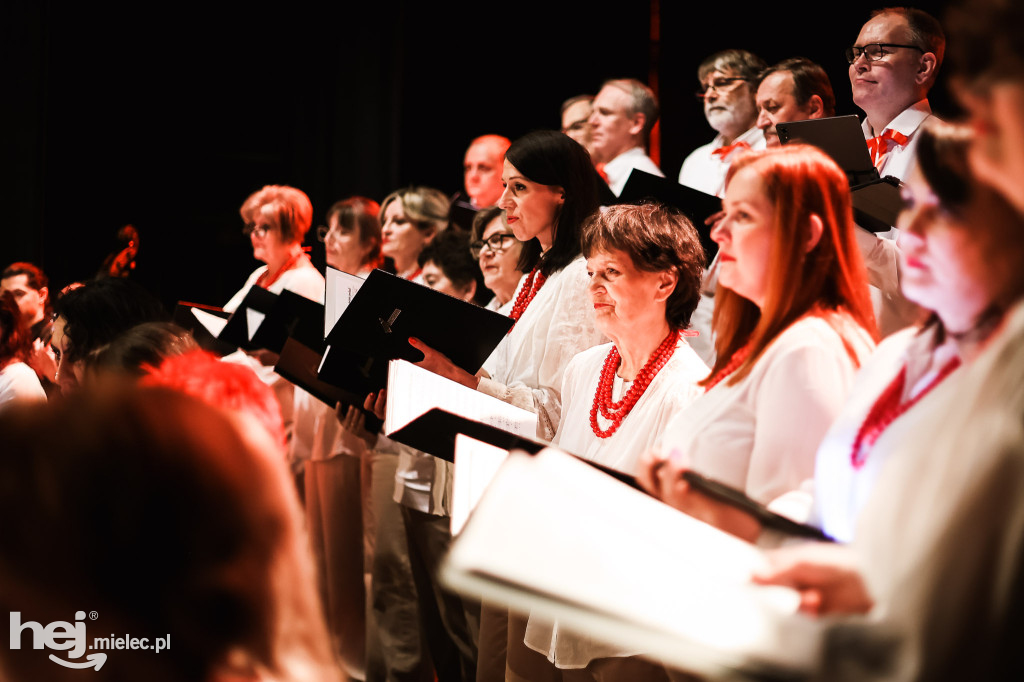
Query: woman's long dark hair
pixel 554 159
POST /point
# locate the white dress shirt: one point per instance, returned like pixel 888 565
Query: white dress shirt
pixel 618 169
pixel 704 170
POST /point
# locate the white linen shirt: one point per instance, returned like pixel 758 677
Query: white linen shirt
pixel 761 434
pixel 840 491
pixel 705 171
pixel 529 362
pixel 671 390
pixel 618 169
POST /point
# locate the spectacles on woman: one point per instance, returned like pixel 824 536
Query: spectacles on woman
pixel 253 229
pixel 496 243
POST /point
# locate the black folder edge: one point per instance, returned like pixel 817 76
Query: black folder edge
pixel 876 201
pixel 376 378
pixel 767 518
pixel 236 331
pixel 184 318
pixel 877 204
pixel 291 315
pixel 298 364
pixel 696 205
pixel 435 430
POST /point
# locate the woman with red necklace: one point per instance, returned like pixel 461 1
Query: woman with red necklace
pixel 276 219
pixel 645 265
pixel 550 189
pixel 792 321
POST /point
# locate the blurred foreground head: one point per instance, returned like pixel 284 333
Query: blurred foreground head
pixel 166 517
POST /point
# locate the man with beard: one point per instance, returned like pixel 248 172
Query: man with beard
pixel 727 81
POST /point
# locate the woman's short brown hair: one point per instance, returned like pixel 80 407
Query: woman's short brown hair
pixel 656 239
pixel 285 209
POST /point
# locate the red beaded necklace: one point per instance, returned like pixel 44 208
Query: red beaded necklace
pixel 277 275
pixel 888 409
pixel 534 281
pixel 617 411
pixel 737 359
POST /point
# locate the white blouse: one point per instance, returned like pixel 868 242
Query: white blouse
pixel 673 389
pixel 529 363
pixel 19 382
pixel 840 490
pixel 761 434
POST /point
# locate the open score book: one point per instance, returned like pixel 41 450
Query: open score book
pixel 553 536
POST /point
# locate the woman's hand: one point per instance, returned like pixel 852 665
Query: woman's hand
pixel 825 576
pixel 377 403
pixel 265 357
pixel 439 364
pixel 354 436
pixel 662 477
pixel 42 359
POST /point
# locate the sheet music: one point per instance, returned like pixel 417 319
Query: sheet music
pixel 557 538
pixel 253 320
pixel 476 464
pixel 341 288
pixel 212 323
pixel 413 390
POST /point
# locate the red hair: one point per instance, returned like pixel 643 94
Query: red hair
pixel 226 385
pixel 801 181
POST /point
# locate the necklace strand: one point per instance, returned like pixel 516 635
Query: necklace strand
pixel 614 411
pixel 888 409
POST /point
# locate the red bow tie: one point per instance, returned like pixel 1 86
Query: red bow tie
pixel 599 167
pixel 879 146
pixel 723 152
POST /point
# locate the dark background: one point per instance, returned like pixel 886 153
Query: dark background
pixel 167 117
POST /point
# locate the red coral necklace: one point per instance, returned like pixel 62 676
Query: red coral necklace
pixel 888 409
pixel 534 281
pixel 613 411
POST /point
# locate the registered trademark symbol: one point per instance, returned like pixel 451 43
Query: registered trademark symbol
pixel 93 615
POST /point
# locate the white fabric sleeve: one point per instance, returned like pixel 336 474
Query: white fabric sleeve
pixel 797 400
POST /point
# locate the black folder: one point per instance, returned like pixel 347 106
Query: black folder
pixel 184 318
pixel 876 200
pixel 298 364
pixel 386 311
pixel 236 331
pixel 435 430
pixel 694 204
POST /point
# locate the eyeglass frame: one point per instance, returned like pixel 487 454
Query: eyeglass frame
pixel 723 85
pixel 476 248
pixel 323 233
pixel 252 228
pixel 851 58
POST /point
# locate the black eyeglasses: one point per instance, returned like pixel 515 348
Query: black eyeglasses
pixel 873 52
pixel 720 85
pixel 496 243
pixel 259 230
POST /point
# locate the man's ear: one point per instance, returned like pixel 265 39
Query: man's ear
pixel 815 107
pixel 926 69
pixel 637 125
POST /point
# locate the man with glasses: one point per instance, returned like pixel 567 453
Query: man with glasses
pixel 727 84
pixel 893 65
pixel 625 111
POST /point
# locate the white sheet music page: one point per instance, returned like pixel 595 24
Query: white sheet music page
pixel 558 538
pixel 212 323
pixel 253 320
pixel 476 464
pixel 341 288
pixel 413 390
